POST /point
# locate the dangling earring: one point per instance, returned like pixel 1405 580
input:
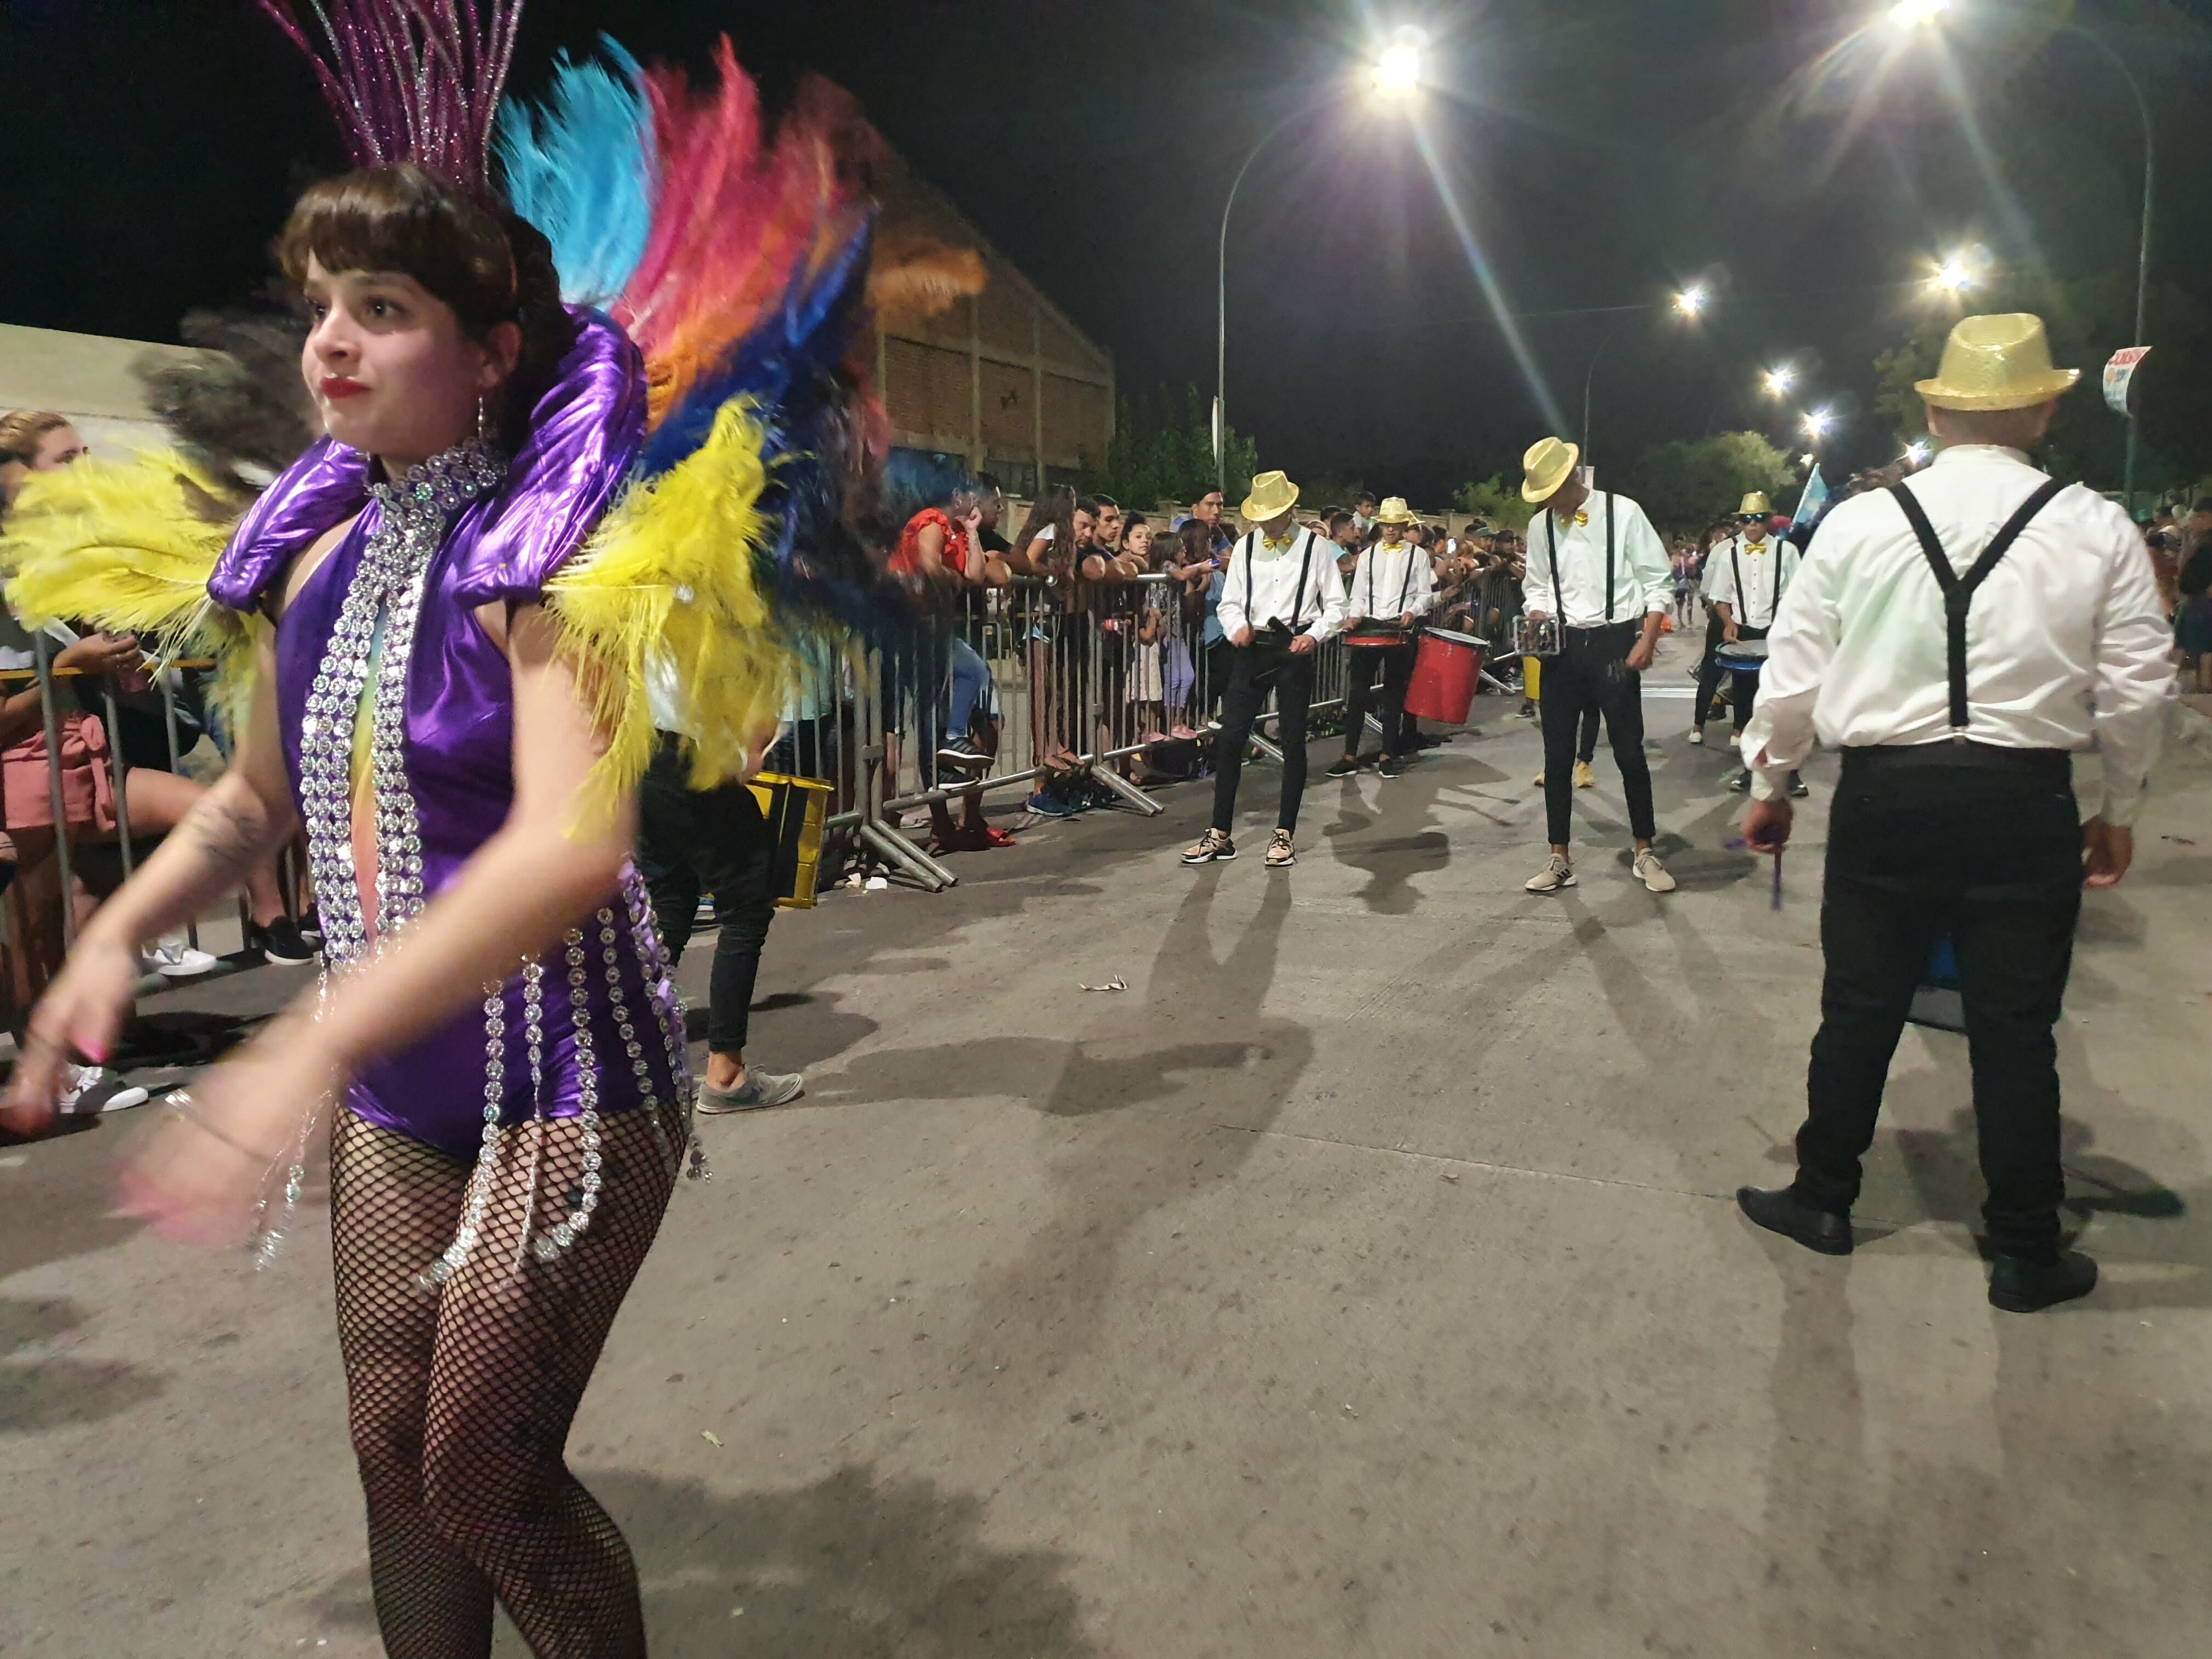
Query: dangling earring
pixel 484 420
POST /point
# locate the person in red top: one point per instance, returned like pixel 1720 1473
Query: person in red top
pixel 943 551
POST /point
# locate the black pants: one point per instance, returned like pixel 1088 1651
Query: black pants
pixel 1590 675
pixel 713 841
pixel 1921 844
pixel 1586 749
pixel 1393 665
pixel 1709 669
pixel 1266 664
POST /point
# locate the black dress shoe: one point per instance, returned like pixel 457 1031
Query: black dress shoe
pixel 1781 1212
pixel 2021 1284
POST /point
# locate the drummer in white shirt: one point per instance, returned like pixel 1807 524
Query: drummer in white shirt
pixel 1955 638
pixel 1393 587
pixel 1596 565
pixel 1749 573
pixel 1280 599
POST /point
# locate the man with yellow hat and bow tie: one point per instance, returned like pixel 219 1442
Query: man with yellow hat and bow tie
pixel 1597 566
pixel 1745 580
pixel 1280 597
pixel 1955 638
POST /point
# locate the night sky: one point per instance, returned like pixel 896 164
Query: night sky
pixel 1598 153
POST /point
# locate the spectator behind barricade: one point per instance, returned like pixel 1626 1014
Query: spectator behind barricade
pixel 1344 531
pixel 2193 622
pixel 941 553
pixel 1363 515
pixel 1202 563
pixel 30 442
pixel 1108 512
pixel 991 507
pixel 1050 548
pixel 1207 511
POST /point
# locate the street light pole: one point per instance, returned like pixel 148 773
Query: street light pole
pixel 1221 301
pixel 2143 254
pixel 1589 380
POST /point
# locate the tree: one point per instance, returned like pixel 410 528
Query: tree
pixel 1161 452
pixel 1685 486
pixel 1496 501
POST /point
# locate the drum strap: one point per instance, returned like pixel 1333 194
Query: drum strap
pixel 1552 540
pixel 1959 592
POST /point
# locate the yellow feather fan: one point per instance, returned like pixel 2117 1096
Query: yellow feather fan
pixel 118 545
pixel 665 593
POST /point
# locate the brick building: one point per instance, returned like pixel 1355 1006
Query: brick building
pixel 1003 380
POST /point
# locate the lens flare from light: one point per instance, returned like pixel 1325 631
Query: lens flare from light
pixel 1916 14
pixel 1398 65
pixel 1493 292
pixel 1917 452
pixel 1818 423
pixel 1779 380
pixel 1954 275
pixel 1692 300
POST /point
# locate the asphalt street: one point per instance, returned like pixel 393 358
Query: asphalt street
pixel 1362 1279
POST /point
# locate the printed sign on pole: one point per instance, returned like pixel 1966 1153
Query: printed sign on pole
pixel 2120 376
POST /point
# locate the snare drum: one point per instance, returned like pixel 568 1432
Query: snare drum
pixel 1744 656
pixel 1371 637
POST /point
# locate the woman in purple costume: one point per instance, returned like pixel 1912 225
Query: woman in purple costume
pixel 513 1103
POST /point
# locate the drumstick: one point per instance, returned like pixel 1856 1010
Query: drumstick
pixel 1740 844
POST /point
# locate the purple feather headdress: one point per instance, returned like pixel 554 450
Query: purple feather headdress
pixel 411 80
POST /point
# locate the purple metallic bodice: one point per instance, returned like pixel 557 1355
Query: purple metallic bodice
pixel 458 733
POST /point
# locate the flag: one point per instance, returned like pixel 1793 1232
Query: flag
pixel 1810 503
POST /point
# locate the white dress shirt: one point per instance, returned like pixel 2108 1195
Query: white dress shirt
pixel 1262 585
pixel 2065 641
pixel 1642 579
pixel 1392 581
pixel 1768 568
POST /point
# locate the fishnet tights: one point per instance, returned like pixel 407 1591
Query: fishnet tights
pixel 460 1403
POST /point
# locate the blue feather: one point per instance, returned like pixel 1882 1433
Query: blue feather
pixel 582 169
pixel 806 335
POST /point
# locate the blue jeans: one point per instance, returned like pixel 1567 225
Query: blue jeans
pixel 968 675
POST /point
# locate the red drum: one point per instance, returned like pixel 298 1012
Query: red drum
pixel 1445 673
pixel 1375 639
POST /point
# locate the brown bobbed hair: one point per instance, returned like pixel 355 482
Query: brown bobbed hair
pixel 490 265
pixel 22 431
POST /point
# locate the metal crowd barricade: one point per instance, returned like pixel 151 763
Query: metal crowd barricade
pixel 42 669
pixel 1090 676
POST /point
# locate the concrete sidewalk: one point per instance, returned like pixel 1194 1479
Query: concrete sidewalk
pixel 1362 1280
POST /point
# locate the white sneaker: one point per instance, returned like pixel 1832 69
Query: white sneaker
pixel 1652 873
pixel 181 961
pixel 89 1090
pixel 1697 735
pixel 1556 875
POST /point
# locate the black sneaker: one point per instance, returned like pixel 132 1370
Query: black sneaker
pixel 281 942
pixel 1346 767
pixel 311 927
pixel 1391 766
pixel 962 752
pixel 2023 1284
pixel 1798 789
pixel 1780 1210
pixel 1740 784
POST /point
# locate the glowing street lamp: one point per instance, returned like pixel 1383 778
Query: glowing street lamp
pixel 1914 14
pixel 1398 66
pixel 1817 424
pixel 1692 300
pixel 1917 452
pixel 1779 380
pixel 1954 275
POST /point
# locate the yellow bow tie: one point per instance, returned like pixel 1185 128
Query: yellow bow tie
pixel 1582 519
pixel 1278 546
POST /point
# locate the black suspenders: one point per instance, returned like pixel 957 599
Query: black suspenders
pixel 1305 576
pixel 1959 592
pixel 1552 540
pixel 1735 566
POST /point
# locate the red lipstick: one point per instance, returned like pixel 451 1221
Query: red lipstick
pixel 338 388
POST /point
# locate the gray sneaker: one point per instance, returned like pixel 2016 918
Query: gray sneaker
pixel 760 1090
pixel 1556 875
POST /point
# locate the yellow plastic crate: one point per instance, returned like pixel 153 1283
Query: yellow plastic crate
pixel 795 809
